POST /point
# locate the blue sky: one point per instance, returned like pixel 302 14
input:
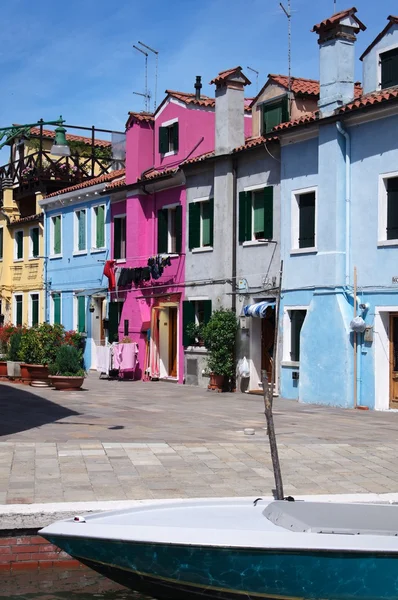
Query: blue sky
pixel 76 58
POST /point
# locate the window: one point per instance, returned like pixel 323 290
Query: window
pixel 1 242
pixel 274 113
pixel 80 231
pixel 296 320
pixel 194 312
pixel 114 315
pixel 56 308
pixel 81 314
pixel 119 237
pixel 256 215
pixel 168 138
pixel 18 236
pixel 18 304
pixel 392 208
pixel 34 242
pixel 201 216
pixel 34 309
pixel 303 219
pixel 56 236
pixel 98 227
pixel 170 230
pixel 389 68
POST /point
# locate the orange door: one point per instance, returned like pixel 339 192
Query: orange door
pixel 172 341
pixel 394 361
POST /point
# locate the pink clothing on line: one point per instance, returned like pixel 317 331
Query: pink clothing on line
pixel 125 357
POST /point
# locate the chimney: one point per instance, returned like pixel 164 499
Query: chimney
pixel 198 87
pixel 337 36
pixel 8 196
pixel 230 110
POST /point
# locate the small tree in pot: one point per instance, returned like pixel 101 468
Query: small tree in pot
pixel 219 336
pixel 66 371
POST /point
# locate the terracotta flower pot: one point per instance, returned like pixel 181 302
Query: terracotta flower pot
pixel 63 383
pixel 3 368
pixel 216 382
pixel 35 375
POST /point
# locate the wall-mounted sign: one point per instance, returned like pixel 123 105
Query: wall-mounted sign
pixel 394 279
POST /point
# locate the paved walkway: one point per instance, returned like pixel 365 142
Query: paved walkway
pixel 134 440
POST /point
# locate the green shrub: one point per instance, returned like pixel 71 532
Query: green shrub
pixel 219 336
pixel 68 362
pixel 31 349
pixel 14 345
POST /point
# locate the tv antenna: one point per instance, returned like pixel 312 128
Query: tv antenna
pixel 145 95
pixel 288 13
pixel 156 70
pixel 256 72
pixel 335 5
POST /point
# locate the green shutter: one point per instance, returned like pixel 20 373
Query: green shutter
pixel 179 229
pixel 57 234
pixel 35 241
pixel 1 242
pixel 245 217
pixel 188 316
pixel 81 314
pixel 35 309
pixel 285 109
pixel 19 241
pixel 307 220
pixel 163 140
pixel 274 114
pixel 258 214
pixel 57 309
pixel 268 213
pixel 18 302
pixel 175 136
pixel 116 238
pixel 206 237
pixel 100 227
pixel 211 215
pixel 113 334
pixel 194 225
pixel 389 68
pixel 81 221
pixel 163 230
pixel 207 311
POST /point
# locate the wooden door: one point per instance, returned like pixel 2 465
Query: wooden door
pixel 394 360
pixel 172 341
pixel 267 341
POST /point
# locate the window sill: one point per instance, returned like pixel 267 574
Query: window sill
pixel 18 259
pixel 53 256
pixel 382 243
pixel 291 364
pixel 204 249
pixel 171 153
pixel 79 253
pixel 34 257
pixel 120 261
pixel 96 250
pixel 312 250
pixel 256 243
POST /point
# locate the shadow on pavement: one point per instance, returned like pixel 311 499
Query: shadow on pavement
pixel 21 410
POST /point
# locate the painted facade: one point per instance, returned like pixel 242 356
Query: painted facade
pixel 77 228
pixel 340 173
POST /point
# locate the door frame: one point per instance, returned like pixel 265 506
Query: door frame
pixel 167 305
pixel 382 356
pixel 392 404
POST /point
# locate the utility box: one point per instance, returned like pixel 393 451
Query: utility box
pixel 368 335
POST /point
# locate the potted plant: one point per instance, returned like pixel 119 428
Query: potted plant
pixel 66 371
pixel 13 362
pixel 34 370
pixel 219 336
pixel 195 332
pixel 5 333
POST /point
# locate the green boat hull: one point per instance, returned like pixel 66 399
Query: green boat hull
pixel 169 571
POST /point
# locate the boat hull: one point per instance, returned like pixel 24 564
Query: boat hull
pixel 171 571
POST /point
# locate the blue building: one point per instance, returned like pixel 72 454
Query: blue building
pixel 77 241
pixel 339 190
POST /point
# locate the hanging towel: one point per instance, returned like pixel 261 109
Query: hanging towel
pixel 110 274
pixel 125 357
pixel 103 359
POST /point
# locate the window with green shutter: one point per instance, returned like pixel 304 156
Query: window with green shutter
pixel 81 314
pixel 56 299
pixel 34 242
pixel 194 225
pixel 245 217
pixel 168 138
pixel 99 213
pixel 119 238
pixel 19 245
pixel 274 113
pixel 178 229
pixel 174 137
pixel 56 237
pixel 389 68
pixel 163 140
pixel 163 230
pixel 206 225
pixel 80 230
pixel 115 311
pixel 18 309
pixel 306 220
pixel 34 308
pixel 1 242
pixel 194 312
pixel 256 215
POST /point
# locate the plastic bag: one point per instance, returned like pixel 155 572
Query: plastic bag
pixel 358 325
pixel 244 370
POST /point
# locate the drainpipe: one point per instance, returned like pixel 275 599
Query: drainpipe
pixel 345 133
pixel 234 225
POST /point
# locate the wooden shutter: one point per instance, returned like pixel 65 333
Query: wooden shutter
pixel 100 227
pixel 35 309
pixel 19 242
pixel 1 241
pixel 175 136
pixel 194 225
pixel 205 223
pixel 188 316
pixel 116 238
pixel 211 215
pixel 163 230
pixel 113 334
pixel 57 234
pixel 35 241
pixel 307 220
pixel 272 116
pixel 206 311
pixel 81 220
pixel 389 68
pixel 268 213
pixel 179 229
pixel 285 109
pixel 163 140
pixel 81 314
pixel 245 217
pixel 18 306
pixel 57 309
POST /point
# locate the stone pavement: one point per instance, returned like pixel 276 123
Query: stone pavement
pixel 133 440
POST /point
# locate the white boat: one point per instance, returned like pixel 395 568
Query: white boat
pixel 229 549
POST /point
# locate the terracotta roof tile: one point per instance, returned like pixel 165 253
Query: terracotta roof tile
pixel 90 182
pixel 188 98
pixel 199 158
pixel 116 184
pixel 141 117
pixel 223 76
pixel 257 141
pixel 371 99
pixel 29 219
pixel 156 173
pixel 305 119
pixel 336 18
pixel 49 134
pixel 391 21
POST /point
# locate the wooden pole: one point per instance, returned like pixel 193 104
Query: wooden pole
pixel 275 349
pixel 268 388
pixel 355 338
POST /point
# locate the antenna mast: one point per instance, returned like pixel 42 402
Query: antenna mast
pixel 146 95
pixel 256 72
pixel 335 5
pixel 288 13
pixel 156 70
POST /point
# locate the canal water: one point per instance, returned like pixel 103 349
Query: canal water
pixel 60 584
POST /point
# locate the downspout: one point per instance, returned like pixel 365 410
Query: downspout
pixel 234 225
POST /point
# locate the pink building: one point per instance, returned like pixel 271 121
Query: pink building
pixel 148 228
